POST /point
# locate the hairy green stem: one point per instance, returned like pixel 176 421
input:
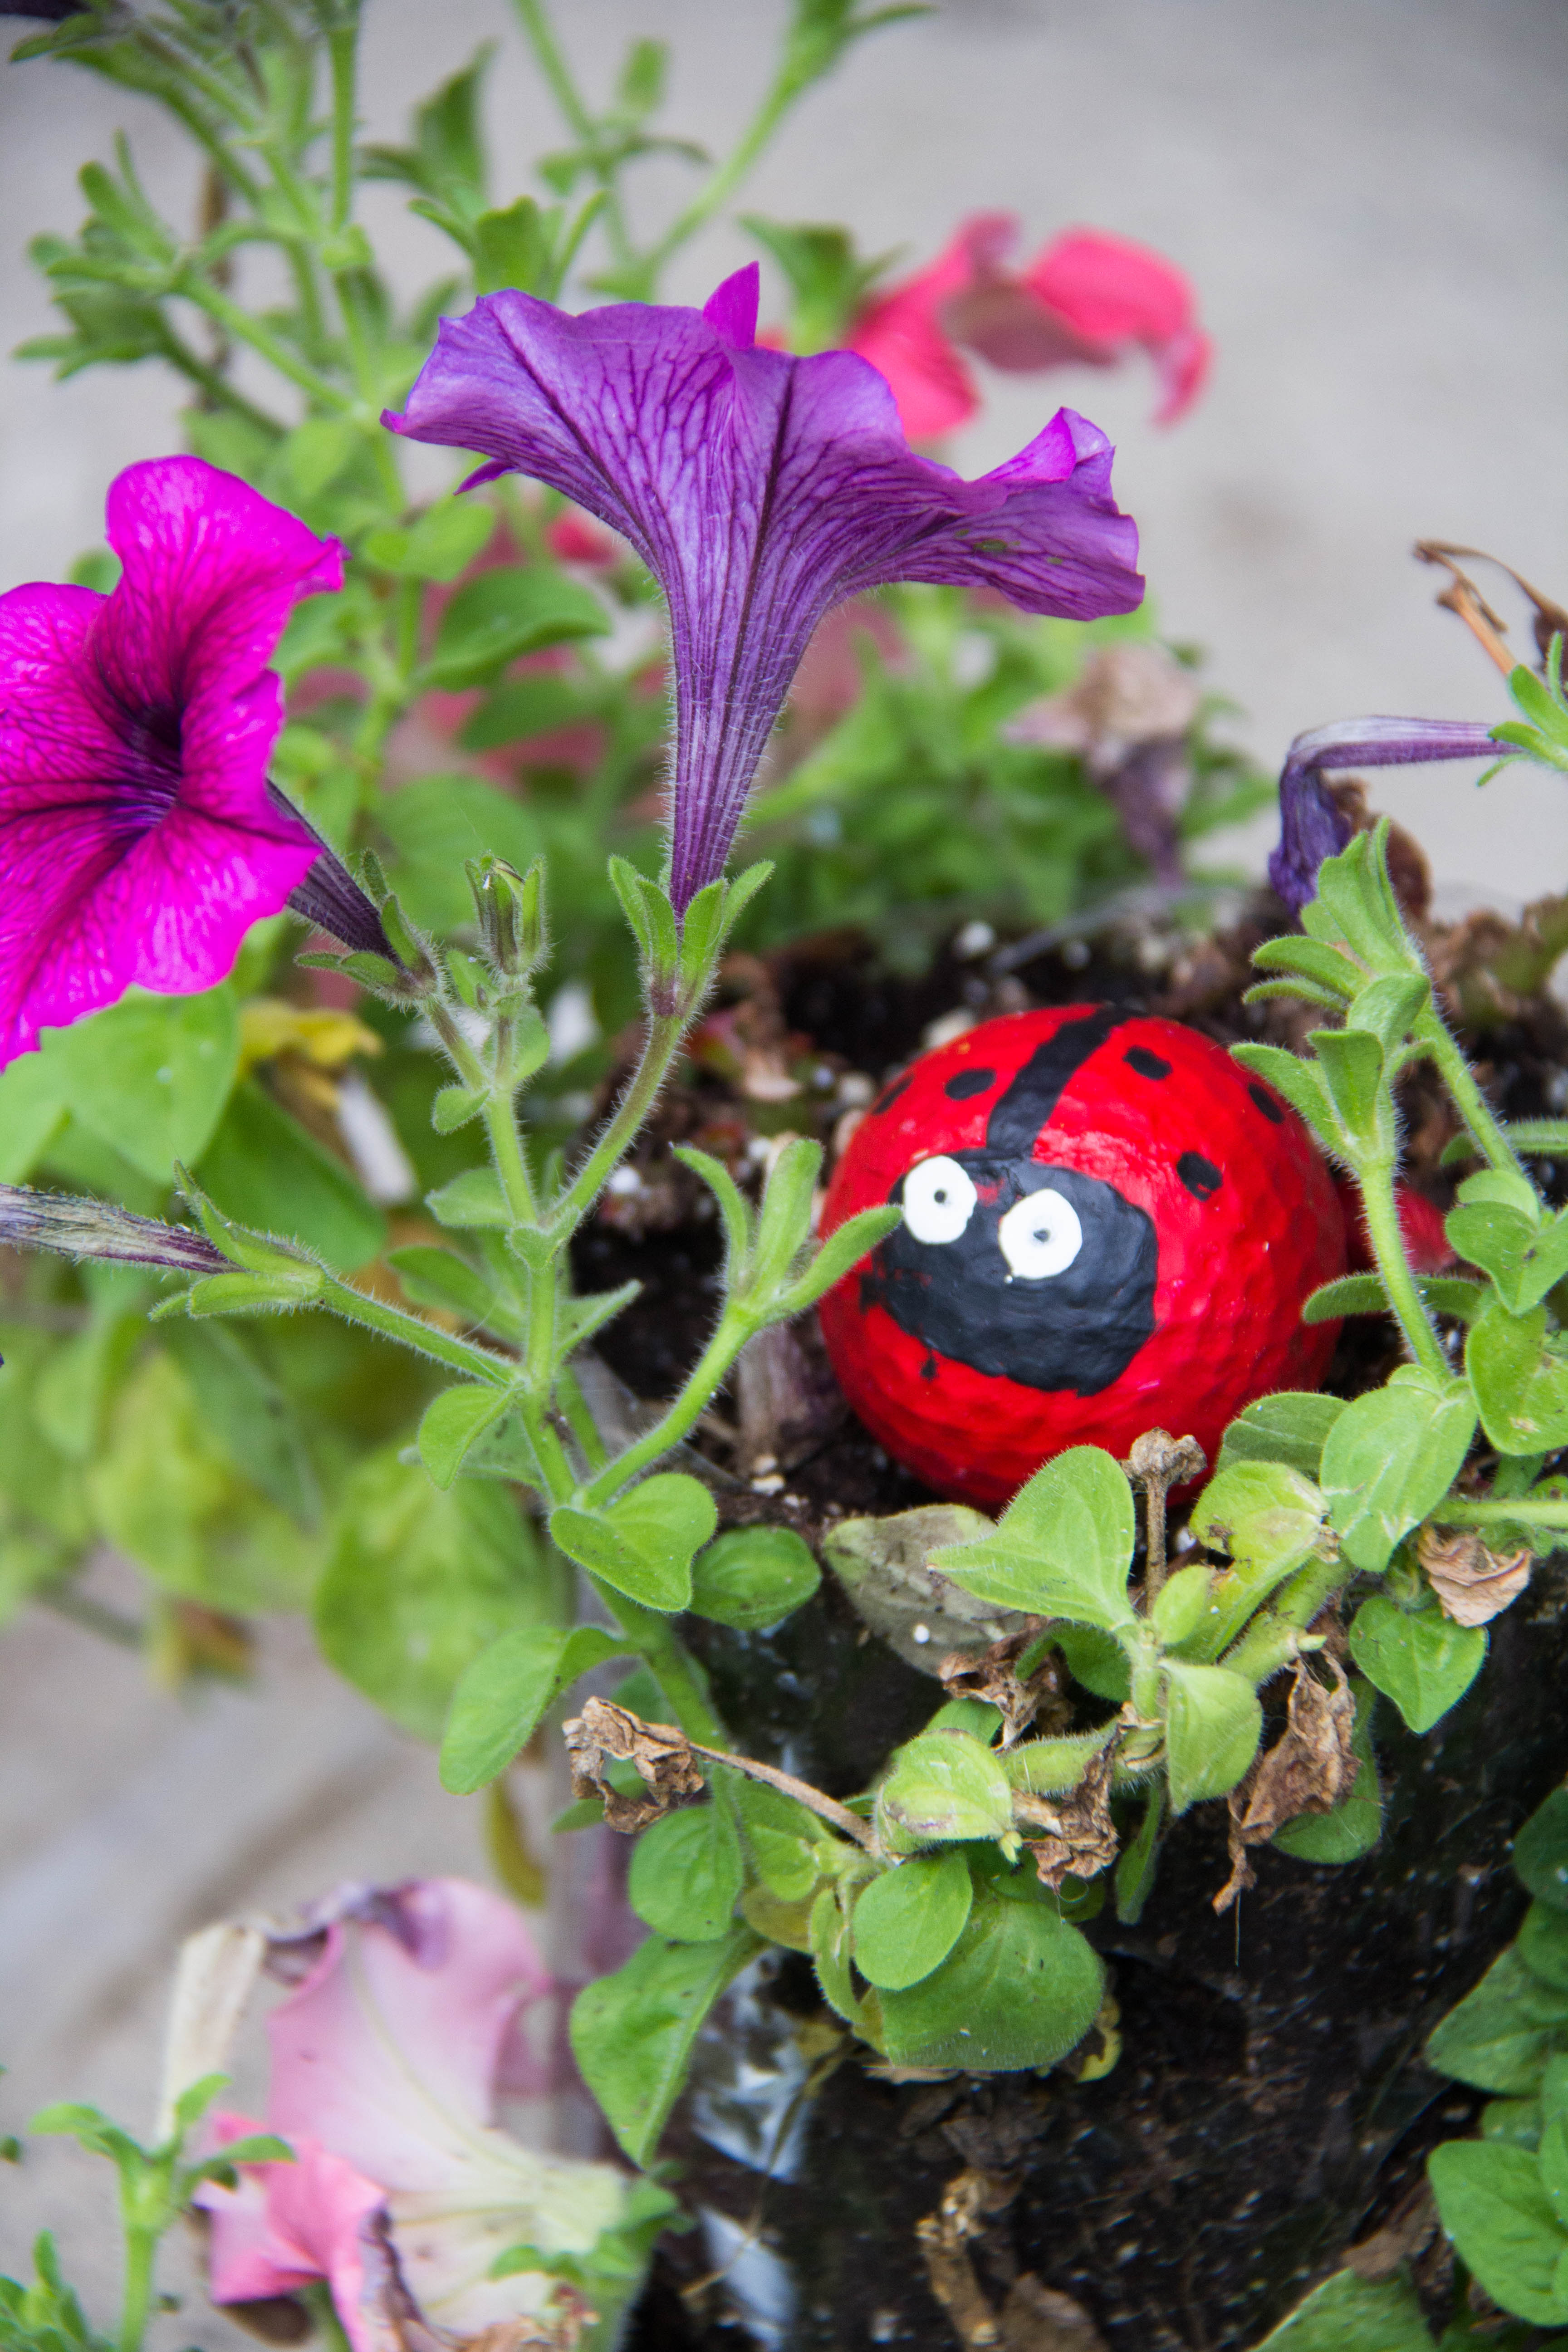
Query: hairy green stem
pixel 247 330
pixel 540 35
pixel 665 1032
pixel 343 44
pixel 1375 1179
pixel 1310 1587
pixel 136 2294
pixel 510 1160
pixel 410 1331
pixel 722 183
pixel 216 385
pixel 703 1383
pixel 1487 1511
pixel 666 1658
pixel 1433 1034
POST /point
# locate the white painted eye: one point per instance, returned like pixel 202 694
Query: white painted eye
pixel 938 1201
pixel 1041 1235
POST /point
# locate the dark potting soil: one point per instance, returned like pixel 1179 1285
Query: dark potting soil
pixel 1269 2108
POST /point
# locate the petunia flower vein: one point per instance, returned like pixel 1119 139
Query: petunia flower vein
pixel 761 490
pixel 139 836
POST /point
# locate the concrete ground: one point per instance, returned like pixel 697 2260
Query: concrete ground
pixel 1369 195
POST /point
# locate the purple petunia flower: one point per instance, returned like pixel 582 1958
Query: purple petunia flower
pixel 1312 825
pixel 761 489
pixel 138 837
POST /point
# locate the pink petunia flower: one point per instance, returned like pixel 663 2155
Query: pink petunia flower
pixel 387 2060
pixel 1088 298
pixel 139 838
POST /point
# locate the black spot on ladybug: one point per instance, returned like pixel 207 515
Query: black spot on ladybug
pixel 964 1083
pixel 900 1087
pixel 1029 1101
pixel 1267 1104
pixel 928 1369
pixel 1200 1177
pixel 1147 1065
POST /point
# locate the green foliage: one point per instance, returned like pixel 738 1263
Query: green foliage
pixel 753 1578
pixel 632 2033
pixel 151 1075
pixel 1348 2314
pixel 1503 2199
pixel 643 1544
pixel 943 1786
pixel 502 1696
pixel 417 1583
pixel 1019 1989
pixel 907 1921
pixel 1392 1456
pixel 686 1874
pixel 1062 1548
pixel 1417 1656
pixel 155 2187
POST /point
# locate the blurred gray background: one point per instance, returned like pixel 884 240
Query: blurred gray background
pixel 1370 197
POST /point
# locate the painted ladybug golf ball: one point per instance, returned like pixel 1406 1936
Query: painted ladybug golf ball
pixel 1109 1226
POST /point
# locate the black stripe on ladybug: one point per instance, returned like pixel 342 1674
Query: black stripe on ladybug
pixel 1034 1274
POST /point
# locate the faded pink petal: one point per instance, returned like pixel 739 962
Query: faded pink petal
pixel 388 2051
pixel 138 842
pixel 286 2225
pixel 385 2062
pixel 1114 294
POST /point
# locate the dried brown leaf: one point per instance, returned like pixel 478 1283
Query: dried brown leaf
pixel 994 1676
pixel 1037 2318
pixel 658 1752
pixel 1072 1834
pixel 1309 1769
pixel 1473 1585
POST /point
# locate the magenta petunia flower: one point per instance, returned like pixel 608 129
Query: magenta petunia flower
pixel 139 838
pixel 1312 825
pixel 761 490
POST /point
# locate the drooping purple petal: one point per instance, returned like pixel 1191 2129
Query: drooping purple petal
pixel 138 843
pixel 1312 825
pixel 761 489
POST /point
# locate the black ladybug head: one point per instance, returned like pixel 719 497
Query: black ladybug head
pixel 1036 1274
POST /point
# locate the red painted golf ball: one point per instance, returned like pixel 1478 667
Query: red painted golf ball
pixel 1109 1227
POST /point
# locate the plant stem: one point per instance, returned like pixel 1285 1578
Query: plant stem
pixel 1485 1510
pixel 1432 1033
pixel 410 1331
pixel 664 1655
pixel 827 1808
pixel 1310 1587
pixel 245 328
pixel 216 385
pixel 1383 1232
pixel 665 1030
pixel 707 1376
pixel 721 184
pixel 136 2298
pixel 343 44
pixel 506 1146
pixel 541 37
